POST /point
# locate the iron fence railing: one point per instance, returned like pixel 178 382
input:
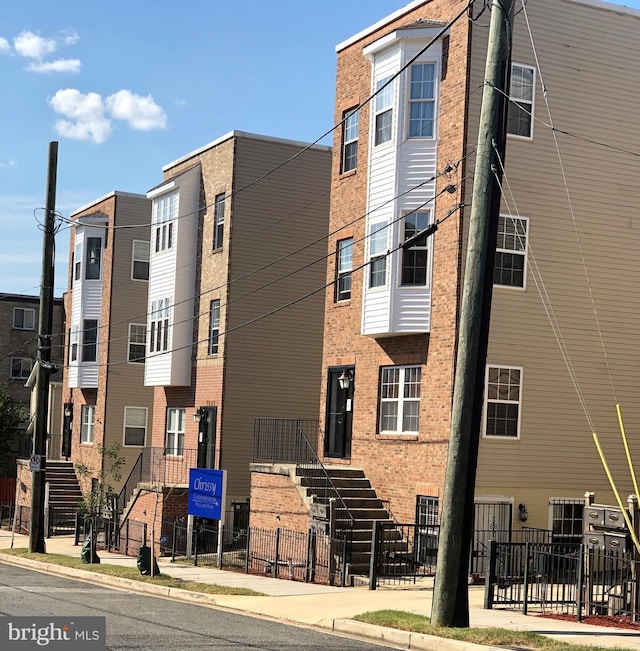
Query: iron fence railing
pixel 294 441
pixel 566 577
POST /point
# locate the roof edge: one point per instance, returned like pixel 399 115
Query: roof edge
pixel 113 193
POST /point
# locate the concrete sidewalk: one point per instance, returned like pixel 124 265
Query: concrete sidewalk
pixel 331 607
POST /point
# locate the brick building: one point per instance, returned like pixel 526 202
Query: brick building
pixel 403 161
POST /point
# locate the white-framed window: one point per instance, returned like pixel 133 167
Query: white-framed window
pixel 214 326
pixel 383 111
pixel 20 368
pixel 140 260
pixel 415 258
pixel 174 443
pixel 77 264
pixel 218 220
pixel 137 342
pixel 73 343
pixel 422 100
pixel 135 426
pixel 165 210
pixel 94 258
pixel 520 117
pixel 159 325
pixel 24 318
pixel 344 265
pixel 399 398
pixel 503 388
pixel 350 128
pixel 90 340
pixel 378 245
pixel 88 422
pixel 566 517
pixel 511 252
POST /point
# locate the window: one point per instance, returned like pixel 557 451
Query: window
pixel 73 343
pixel 218 221
pixel 384 111
pixel 520 118
pixel 567 524
pixel 422 100
pixel 214 326
pixel 24 318
pixel 135 425
pixel 21 368
pixel 510 252
pixel 174 445
pixel 137 342
pixel 159 328
pixel 164 212
pixel 428 532
pixel 503 401
pixel 140 260
pixel 414 258
pixel 77 256
pixel 378 254
pixel 343 269
pixel 400 399
pixel 350 128
pixel 94 251
pixel 88 420
pixel 89 340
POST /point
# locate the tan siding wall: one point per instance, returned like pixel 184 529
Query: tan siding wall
pixel 588 57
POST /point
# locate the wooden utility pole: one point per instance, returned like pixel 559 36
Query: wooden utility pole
pixel 43 371
pixel 450 597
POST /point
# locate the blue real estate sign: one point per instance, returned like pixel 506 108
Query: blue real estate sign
pixel 206 493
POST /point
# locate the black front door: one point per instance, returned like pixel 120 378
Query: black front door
pixel 207 438
pixel 337 442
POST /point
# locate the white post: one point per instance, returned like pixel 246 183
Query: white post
pixel 46 509
pixel 189 535
pixel 223 503
pixel 15 511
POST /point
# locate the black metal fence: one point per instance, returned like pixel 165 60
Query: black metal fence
pixel 565 577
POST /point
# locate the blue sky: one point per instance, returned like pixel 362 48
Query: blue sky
pixel 126 87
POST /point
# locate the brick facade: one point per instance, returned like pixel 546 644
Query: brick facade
pixel 276 502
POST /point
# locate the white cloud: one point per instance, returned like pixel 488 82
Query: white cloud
pixel 34 46
pixel 9 163
pixel 70 37
pixel 59 65
pixel 86 112
pixel 5 47
pixel 139 112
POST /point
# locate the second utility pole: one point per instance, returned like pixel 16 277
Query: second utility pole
pixel 450 595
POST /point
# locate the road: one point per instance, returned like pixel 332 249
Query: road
pixel 142 622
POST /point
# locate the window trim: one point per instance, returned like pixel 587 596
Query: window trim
pixel 531 104
pixel 90 266
pixel 496 437
pixel 137 359
pixel 86 347
pixel 74 341
pixel 87 429
pixel 379 111
pixel 372 230
pixel 162 220
pixel 159 325
pixel 213 345
pixel 353 112
pixel 22 375
pixel 219 209
pixel 25 311
pixel 428 100
pixel 343 272
pixel 178 448
pixel 524 254
pixel 426 248
pixel 400 400
pixel 135 259
pixel 124 427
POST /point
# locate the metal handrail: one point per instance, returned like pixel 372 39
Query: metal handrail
pixel 134 478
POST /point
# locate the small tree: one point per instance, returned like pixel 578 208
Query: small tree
pixel 11 415
pixel 100 499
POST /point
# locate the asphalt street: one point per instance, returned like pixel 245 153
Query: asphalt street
pixel 143 622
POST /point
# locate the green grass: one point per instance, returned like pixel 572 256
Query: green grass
pixel 520 640
pixel 131 573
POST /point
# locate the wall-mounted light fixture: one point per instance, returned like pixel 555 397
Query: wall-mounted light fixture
pixel 67 426
pixel 68 410
pixel 345 379
pixel 199 414
pixel 524 514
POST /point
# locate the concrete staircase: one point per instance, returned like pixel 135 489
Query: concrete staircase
pixel 64 496
pixel 362 503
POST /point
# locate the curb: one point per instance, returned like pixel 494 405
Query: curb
pixel 351 627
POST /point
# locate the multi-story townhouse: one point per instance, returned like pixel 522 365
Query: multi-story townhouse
pixel 237 267
pixel 105 401
pixel 19 350
pixel 403 160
